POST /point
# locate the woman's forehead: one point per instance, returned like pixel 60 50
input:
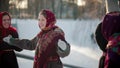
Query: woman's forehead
pixel 41 16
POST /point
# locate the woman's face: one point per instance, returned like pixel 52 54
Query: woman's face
pixel 42 21
pixel 6 22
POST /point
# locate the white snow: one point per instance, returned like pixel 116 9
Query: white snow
pixel 84 51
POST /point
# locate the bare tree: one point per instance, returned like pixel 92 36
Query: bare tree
pixel 4 5
pixel 61 7
pixel 39 4
pixel 53 5
pixel 112 5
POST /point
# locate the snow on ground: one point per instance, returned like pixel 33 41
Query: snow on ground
pixel 84 51
pixel 82 57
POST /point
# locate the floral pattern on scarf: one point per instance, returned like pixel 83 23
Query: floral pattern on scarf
pixel 114 43
pixel 113 50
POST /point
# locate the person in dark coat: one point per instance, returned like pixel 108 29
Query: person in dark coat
pixel 7 54
pixel 111 32
pixel 102 42
pixel 46 43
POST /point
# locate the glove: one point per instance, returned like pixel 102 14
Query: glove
pixel 62 45
pixel 7 39
pixel 63 49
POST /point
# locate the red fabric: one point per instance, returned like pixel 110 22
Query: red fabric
pixel 111 24
pixel 49 16
pixel 113 52
pixel 47 46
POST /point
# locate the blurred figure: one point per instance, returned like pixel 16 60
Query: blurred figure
pixel 102 42
pixel 49 44
pixel 7 54
pixel 111 32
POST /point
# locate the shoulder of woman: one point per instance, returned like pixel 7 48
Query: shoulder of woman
pixel 13 29
pixel 59 30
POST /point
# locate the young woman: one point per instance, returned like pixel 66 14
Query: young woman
pixel 45 43
pixel 7 54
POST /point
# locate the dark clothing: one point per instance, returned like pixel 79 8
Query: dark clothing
pixel 101 41
pixel 4 33
pixel 101 61
pixel 8 59
pixel 53 64
pixel 113 52
pixel 48 48
pixel 6 46
pixel 111 24
pixel 111 32
pixel 7 55
pixel 113 65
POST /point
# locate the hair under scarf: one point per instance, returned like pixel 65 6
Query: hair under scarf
pixel 111 24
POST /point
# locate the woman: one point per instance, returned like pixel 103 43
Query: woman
pixel 111 32
pixel 7 54
pixel 102 42
pixel 46 42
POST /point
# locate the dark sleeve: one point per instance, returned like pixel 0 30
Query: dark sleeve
pixel 101 41
pixel 25 43
pixel 14 34
pixel 6 46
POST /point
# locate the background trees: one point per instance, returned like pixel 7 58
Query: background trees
pixel 74 9
pixel 4 5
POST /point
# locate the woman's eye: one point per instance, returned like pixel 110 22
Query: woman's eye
pixel 6 19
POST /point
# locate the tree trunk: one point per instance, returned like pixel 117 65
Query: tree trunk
pixel 53 4
pixel 4 5
pixel 112 5
pixel 61 8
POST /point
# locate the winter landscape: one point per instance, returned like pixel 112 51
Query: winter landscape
pixel 79 33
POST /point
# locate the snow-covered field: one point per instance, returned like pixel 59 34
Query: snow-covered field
pixel 79 33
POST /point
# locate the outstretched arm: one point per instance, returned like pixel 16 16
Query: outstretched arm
pixel 22 43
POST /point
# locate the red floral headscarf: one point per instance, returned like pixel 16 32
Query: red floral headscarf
pixel 1 15
pixel 50 17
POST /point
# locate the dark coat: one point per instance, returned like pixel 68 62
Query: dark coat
pixel 101 41
pixel 110 31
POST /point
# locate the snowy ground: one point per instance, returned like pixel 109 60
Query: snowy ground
pixel 84 50
pixel 82 57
